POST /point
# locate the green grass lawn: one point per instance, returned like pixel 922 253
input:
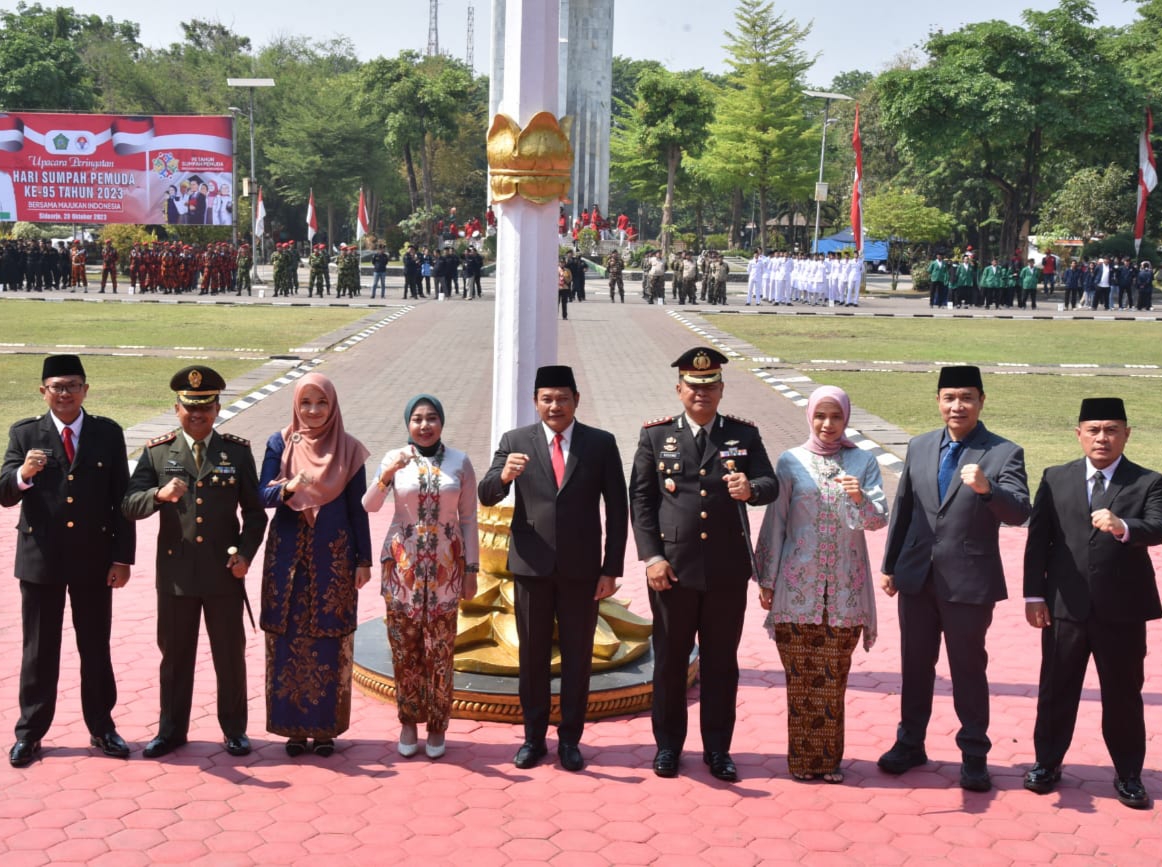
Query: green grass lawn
pixel 262 328
pixel 127 390
pixel 1037 411
pixel 974 341
pixel 131 389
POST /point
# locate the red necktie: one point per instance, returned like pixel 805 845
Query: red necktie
pixel 558 460
pixel 70 449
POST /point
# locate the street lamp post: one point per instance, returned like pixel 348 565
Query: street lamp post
pixel 820 187
pixel 250 84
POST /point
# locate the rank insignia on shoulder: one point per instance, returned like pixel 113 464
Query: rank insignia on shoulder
pixel 163 439
pixel 654 422
pixel 745 421
pixel 234 438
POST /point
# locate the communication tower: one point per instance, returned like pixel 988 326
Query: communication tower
pixel 433 29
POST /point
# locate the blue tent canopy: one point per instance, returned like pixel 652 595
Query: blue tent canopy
pixel 873 251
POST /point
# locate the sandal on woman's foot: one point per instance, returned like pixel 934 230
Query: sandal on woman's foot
pixel 434 748
pixel 324 747
pixel 803 778
pixel 296 747
pixel 834 777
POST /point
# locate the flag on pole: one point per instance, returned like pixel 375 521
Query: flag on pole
pixel 362 227
pixel 1147 179
pixel 857 187
pixel 259 217
pixel 312 222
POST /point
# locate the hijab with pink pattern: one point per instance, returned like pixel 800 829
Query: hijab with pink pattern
pixel 327 452
pixel 838 396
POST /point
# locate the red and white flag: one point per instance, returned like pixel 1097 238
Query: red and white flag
pixel 857 187
pixel 312 221
pixel 1147 178
pixel 259 217
pixel 362 226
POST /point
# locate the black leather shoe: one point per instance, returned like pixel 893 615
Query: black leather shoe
pixel 529 755
pixel 1043 779
pixel 721 766
pixel 570 756
pixel 23 752
pixel 295 747
pixel 974 774
pixel 238 745
pixel 666 763
pixel 901 758
pixel 111 744
pixel 1131 792
pixel 162 746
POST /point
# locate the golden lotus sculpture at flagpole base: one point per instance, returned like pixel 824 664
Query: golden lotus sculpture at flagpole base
pixel 487 646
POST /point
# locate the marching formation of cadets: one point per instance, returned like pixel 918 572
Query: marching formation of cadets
pixel 799 278
pixel 709 267
pixel 161 266
pixel 285 261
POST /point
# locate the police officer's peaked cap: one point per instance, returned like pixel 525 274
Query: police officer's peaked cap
pixel 197 385
pixel 700 365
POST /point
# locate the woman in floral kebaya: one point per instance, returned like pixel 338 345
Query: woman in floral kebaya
pixel 429 564
pixel 815 578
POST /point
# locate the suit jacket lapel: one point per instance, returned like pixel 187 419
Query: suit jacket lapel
pixel 576 451
pixel 540 448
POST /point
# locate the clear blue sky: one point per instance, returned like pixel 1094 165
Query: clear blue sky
pixel 682 34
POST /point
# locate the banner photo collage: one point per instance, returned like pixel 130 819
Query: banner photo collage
pixel 98 168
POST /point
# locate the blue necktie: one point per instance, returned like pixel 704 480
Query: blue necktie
pixel 948 468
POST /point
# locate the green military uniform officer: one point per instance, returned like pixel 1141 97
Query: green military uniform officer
pixel 199 481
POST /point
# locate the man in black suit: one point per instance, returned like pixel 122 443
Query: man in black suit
pixel 563 472
pixel 204 485
pixel 692 477
pixel 1090 588
pixel 67 469
pixel 960 483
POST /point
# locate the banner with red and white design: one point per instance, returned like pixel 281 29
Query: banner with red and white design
pixel 100 168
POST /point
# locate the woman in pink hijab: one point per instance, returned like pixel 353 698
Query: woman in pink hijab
pixel 815 578
pixel 318 555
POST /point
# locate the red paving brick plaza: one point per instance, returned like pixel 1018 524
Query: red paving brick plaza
pixel 367 805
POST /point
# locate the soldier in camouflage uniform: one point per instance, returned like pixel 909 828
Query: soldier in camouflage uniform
pixel 242 274
pixel 614 267
pixel 318 266
pixel 348 282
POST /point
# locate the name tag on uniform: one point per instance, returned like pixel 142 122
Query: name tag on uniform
pixel 173 468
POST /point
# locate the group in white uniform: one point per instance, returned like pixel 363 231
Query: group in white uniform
pixel 785 278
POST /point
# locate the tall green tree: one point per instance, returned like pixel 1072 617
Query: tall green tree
pixel 1014 105
pixel 41 68
pixel 760 138
pixel 669 119
pixel 903 216
pixel 416 101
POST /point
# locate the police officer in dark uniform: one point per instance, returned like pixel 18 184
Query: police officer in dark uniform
pixel 200 480
pixel 693 474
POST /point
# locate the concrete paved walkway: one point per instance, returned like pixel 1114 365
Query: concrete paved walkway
pixel 366 805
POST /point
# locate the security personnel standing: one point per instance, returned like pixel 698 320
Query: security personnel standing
pixel 693 474
pixel 109 259
pixel 199 480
